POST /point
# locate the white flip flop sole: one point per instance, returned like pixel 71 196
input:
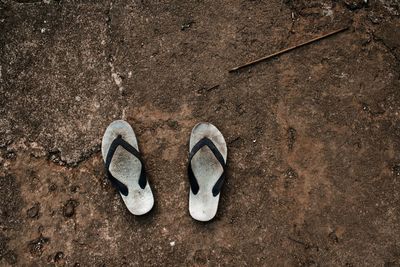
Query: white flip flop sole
pixel 126 167
pixel 207 170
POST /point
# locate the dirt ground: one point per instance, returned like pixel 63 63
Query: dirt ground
pixel 313 135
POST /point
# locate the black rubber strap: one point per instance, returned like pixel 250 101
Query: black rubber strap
pixel 113 147
pixel 194 185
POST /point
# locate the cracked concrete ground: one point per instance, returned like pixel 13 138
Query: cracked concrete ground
pixel 313 136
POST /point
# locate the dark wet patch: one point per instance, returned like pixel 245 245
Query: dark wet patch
pixel 290 176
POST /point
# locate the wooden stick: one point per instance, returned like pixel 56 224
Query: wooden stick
pixel 288 49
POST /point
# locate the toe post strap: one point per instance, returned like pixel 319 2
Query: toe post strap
pixel 119 141
pixel 194 185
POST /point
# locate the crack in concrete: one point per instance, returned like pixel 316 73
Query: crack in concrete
pixel 50 155
pixel 55 157
pixel 114 74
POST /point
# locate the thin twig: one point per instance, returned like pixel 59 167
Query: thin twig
pixel 212 88
pixel 288 49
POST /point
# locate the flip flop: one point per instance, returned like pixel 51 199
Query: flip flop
pixel 125 167
pixel 207 163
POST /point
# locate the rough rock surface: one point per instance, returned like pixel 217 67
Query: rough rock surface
pixel 313 136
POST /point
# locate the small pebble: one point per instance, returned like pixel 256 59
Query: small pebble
pixel 59 256
pixel 69 208
pixel 10 155
pixel 34 211
pixel 396 169
pixel 74 189
pixel 173 124
pixel 172 243
pixel 52 187
pixel 36 246
pixel 290 173
pixel 333 237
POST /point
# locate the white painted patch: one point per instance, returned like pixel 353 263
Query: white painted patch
pixel 327 10
pixel 116 77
